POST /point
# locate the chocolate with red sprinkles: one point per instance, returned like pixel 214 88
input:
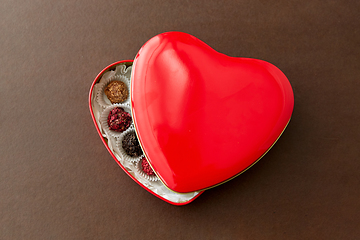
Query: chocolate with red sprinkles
pixel 119 120
pixel 146 167
pixel 131 145
pixel 116 92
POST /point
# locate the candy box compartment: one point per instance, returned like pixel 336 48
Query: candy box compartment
pixel 156 188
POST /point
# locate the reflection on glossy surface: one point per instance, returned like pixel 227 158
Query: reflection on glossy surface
pixel 203 117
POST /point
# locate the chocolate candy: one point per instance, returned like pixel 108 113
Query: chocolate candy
pixel 119 120
pixel 146 167
pixel 131 145
pixel 116 92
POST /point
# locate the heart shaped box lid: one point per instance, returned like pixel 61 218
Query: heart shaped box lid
pixel 202 117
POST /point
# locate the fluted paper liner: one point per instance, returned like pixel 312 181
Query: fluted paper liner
pixel 104 117
pixel 141 172
pixel 122 151
pixel 101 97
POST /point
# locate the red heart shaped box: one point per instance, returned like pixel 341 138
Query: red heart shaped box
pixel 202 117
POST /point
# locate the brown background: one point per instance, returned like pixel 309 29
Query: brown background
pixel 57 180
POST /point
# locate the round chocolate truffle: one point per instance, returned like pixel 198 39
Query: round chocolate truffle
pixel 146 167
pixel 119 120
pixel 131 145
pixel 116 92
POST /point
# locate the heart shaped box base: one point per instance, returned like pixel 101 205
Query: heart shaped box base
pixel 156 188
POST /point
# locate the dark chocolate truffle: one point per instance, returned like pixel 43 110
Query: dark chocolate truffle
pixel 131 145
pixel 119 120
pixel 116 92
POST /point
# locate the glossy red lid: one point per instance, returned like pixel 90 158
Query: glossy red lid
pixel 203 117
